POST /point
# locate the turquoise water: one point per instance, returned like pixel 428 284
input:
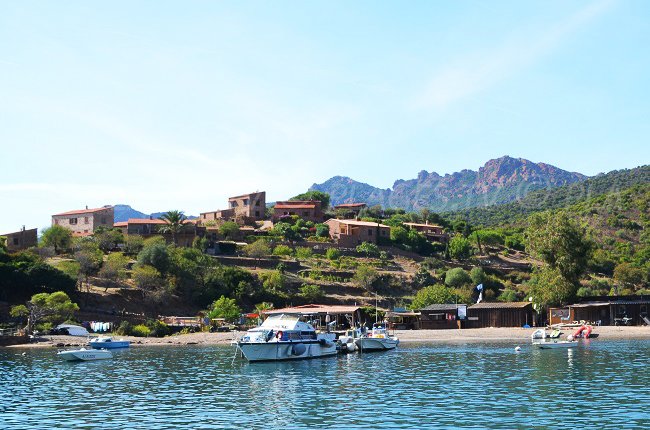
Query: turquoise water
pixel 602 384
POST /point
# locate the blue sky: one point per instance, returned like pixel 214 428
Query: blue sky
pixel 178 105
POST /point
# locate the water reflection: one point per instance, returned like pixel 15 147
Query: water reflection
pixel 422 385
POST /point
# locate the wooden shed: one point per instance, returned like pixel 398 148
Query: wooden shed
pixel 440 316
pixel 500 314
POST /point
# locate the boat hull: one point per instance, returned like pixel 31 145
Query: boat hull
pixel 367 344
pixel 283 351
pixel 110 345
pixel 555 345
pixel 85 355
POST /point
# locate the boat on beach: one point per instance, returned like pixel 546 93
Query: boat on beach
pixel 84 354
pixel 107 342
pixel 542 341
pixel 378 339
pixel 285 337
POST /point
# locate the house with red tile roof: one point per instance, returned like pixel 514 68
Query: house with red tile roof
pixel 84 222
pixel 349 210
pixel 350 233
pixel 309 210
pixel 242 209
pixel 148 227
pixel 432 232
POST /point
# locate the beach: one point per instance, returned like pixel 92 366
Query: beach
pixel 516 335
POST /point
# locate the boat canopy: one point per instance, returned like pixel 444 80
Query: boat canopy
pixel 286 322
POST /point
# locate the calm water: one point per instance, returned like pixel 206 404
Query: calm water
pixel 605 384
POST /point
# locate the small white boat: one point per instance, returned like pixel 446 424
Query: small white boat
pixel 556 344
pixel 377 340
pixel 347 342
pixel 106 342
pixel 285 337
pixel 84 354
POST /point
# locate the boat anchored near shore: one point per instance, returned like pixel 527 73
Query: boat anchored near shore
pixel 84 354
pixel 285 337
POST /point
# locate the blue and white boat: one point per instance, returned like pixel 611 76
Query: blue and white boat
pixel 107 342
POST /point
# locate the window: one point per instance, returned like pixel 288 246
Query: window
pixel 85 231
pixel 85 220
pixel 103 220
pixel 233 204
pixel 15 241
pixel 245 202
pixel 369 232
pixel 257 202
pixel 73 221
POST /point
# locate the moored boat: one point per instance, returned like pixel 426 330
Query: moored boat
pixel 106 342
pixel 556 344
pixel 285 337
pixel 84 354
pixel 377 340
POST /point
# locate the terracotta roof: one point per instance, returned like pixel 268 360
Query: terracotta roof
pixel 414 224
pixel 500 305
pixel 83 211
pixel 295 205
pixel 120 224
pixel 145 221
pixel 314 309
pixel 355 222
pixel 350 205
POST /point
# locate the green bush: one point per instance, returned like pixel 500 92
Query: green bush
pixel 333 254
pixel 282 250
pixel 141 330
pixel 303 253
pixel 158 328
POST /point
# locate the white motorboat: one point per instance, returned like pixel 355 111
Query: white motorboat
pixel 285 337
pixel 377 340
pixel 107 342
pixel 555 344
pixel 84 354
pixel 347 341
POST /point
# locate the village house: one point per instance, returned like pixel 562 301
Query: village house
pixel 309 210
pixel 242 209
pixel 433 233
pixel 349 210
pixel 148 227
pixel 84 222
pixel 350 233
pixel 21 240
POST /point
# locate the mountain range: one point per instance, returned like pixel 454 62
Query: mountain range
pixel 499 181
pixel 124 212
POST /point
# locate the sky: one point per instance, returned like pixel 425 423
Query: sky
pixel 177 105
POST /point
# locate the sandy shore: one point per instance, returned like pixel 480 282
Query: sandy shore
pixel 466 335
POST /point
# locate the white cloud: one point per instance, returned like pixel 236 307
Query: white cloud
pixel 477 72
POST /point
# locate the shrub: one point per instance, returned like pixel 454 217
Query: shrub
pixel 369 249
pixel 311 292
pixel 333 254
pixel 125 329
pixel 282 250
pixel 158 328
pixel 457 277
pixel 303 252
pixel 141 330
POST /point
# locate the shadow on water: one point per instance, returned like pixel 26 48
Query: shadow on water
pixel 598 384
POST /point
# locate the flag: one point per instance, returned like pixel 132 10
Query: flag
pixel 479 288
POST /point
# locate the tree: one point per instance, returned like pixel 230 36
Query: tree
pixel 155 254
pixel 322 230
pixel 108 239
pixel 60 238
pixel 257 249
pixel 225 308
pixel 324 198
pixel 148 280
pixel 89 257
pixel 457 278
pixel 478 275
pixel 433 294
pixel 133 244
pixel 229 230
pixel 459 247
pixel 114 268
pixel 422 278
pixel 311 293
pixel 548 287
pixel 175 222
pixel 365 277
pixel 55 308
pixel 260 308
pixel 282 250
pixel 399 234
pixel 628 275
pixel 332 254
pixel 368 248
pixel 303 252
pixel 272 281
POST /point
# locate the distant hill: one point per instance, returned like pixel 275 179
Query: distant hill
pixel 499 181
pixel 124 212
pixel 609 183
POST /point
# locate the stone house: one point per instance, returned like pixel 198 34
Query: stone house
pixel 147 227
pixel 309 210
pixel 433 233
pixel 242 209
pixel 84 222
pixel 349 210
pixel 350 233
pixel 22 239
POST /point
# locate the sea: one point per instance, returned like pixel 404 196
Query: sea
pixel 599 384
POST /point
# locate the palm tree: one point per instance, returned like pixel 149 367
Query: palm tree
pixel 175 221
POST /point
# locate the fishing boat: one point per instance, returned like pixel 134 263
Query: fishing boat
pixel 285 337
pixel 84 354
pixel 107 342
pixel 377 340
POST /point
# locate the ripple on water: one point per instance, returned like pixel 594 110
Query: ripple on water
pixel 603 384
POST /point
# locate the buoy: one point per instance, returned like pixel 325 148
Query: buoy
pixel 517 348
